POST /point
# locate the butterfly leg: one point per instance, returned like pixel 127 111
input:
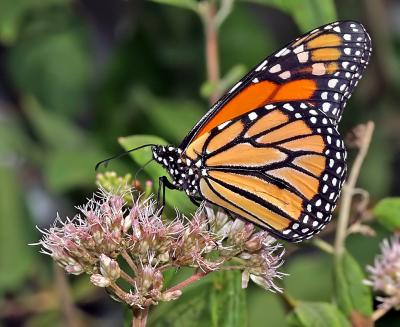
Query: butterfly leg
pixel 195 201
pixel 163 182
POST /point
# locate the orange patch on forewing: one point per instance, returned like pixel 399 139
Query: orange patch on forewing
pixel 196 147
pixel 270 218
pixel 327 40
pixel 314 143
pixel 296 128
pixel 313 163
pixel 273 119
pixel 305 184
pixel 244 154
pixel 225 136
pixel 325 54
pixel 281 198
pixel 253 96
pixel 301 89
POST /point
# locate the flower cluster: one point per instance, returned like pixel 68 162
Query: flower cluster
pixel 385 273
pixel 115 239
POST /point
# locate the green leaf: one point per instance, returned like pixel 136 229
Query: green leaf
pixel 154 170
pixel 71 154
pixel 166 115
pixel 317 314
pixel 387 212
pixel 187 4
pixel 308 14
pixel 66 169
pixel 16 256
pixel 12 13
pixel 215 300
pixel 234 36
pixel 52 129
pixel 228 300
pixel 352 295
pixel 59 54
pixel 299 284
pixel 14 140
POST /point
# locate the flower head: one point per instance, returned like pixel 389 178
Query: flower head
pixel 385 273
pixel 109 229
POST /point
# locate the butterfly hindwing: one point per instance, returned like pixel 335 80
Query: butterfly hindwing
pixel 280 166
pixel 321 67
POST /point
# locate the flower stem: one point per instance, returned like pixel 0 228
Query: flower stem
pixel 68 309
pixel 129 261
pixel 188 281
pixel 208 15
pixel 322 245
pixel 127 278
pixel 140 317
pixel 348 191
pixel 380 312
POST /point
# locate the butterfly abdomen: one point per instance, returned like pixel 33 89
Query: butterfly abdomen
pixel 184 171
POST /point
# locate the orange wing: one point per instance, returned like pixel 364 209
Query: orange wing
pixel 321 67
pixel 281 168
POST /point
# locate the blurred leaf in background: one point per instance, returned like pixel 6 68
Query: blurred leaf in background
pixel 308 14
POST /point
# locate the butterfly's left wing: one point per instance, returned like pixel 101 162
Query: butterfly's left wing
pixel 321 67
pixel 280 166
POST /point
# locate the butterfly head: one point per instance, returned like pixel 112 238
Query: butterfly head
pixel 184 172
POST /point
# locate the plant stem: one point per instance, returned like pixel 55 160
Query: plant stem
pixel 208 15
pixel 322 245
pixel 127 278
pixel 69 312
pixel 139 318
pixel 188 281
pixel 348 191
pixel 379 313
pixel 129 261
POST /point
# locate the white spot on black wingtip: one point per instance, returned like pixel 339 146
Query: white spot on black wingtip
pixel 275 69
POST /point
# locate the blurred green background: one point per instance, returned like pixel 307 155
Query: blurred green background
pixel 77 75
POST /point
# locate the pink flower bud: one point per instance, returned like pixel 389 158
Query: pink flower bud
pixel 92 217
pixel 127 224
pixel 255 242
pixel 75 269
pixel 245 278
pixel 109 268
pixel 240 231
pixel 169 296
pixel 97 233
pixel 116 203
pixel 99 280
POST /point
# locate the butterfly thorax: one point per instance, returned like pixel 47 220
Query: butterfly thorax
pixel 184 172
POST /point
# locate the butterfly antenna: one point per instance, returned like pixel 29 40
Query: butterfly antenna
pixel 106 161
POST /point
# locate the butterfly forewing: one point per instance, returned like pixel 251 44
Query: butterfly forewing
pixel 321 67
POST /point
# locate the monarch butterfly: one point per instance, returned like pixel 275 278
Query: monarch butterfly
pixel 269 150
